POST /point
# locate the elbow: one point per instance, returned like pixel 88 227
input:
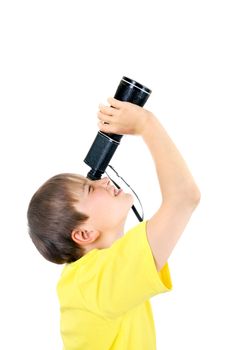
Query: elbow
pixel 194 196
pixel 189 196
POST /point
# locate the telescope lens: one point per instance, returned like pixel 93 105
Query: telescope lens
pixel 131 91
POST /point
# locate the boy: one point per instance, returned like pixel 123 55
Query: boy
pixel 109 277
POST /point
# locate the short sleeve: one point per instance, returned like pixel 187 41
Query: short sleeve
pixel 124 275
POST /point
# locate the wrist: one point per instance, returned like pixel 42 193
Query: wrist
pixel 149 120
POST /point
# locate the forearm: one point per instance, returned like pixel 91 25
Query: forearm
pixel 174 176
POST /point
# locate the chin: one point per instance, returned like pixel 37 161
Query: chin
pixel 130 199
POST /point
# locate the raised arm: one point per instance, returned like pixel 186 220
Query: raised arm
pixel 180 194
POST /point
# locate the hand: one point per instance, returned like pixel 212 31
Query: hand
pixel 122 118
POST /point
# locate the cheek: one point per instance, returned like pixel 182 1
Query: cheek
pixel 101 202
pixel 105 210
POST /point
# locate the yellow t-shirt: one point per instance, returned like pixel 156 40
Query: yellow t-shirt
pixel 104 296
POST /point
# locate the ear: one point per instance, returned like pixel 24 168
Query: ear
pixel 84 235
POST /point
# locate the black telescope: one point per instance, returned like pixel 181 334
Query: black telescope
pixel 105 144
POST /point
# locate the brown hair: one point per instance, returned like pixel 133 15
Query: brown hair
pixel 52 217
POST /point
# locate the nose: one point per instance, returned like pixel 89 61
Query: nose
pixel 103 182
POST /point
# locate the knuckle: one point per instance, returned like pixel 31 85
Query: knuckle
pixel 100 114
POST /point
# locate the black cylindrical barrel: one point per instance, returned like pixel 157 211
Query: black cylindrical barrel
pixel 105 144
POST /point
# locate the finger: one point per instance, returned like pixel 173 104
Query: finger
pixel 114 102
pixel 104 118
pixel 103 127
pixel 106 128
pixel 106 110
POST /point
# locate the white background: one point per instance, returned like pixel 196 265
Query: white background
pixel 59 60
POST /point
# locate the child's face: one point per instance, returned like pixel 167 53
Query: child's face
pixel 106 206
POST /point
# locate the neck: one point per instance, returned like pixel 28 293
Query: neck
pixel 106 238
